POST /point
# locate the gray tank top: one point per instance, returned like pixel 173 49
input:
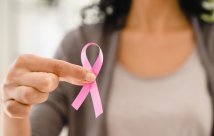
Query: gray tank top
pixel 174 105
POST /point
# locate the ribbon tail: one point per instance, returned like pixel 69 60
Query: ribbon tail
pixel 81 97
pixel 96 100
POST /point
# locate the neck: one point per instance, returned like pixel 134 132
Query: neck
pixel 156 15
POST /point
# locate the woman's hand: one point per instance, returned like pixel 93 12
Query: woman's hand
pixel 32 78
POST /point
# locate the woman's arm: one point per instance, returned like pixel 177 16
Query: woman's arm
pixel 14 126
pixel 30 81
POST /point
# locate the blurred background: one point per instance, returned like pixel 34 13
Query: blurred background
pixel 36 27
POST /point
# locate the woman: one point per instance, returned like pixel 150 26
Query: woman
pixel 157 78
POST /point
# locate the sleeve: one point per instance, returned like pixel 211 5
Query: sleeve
pixel 48 118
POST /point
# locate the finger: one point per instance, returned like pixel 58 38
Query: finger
pixel 66 71
pixel 14 109
pixel 43 82
pixel 27 95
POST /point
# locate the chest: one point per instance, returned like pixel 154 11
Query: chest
pixel 151 55
pixel 178 104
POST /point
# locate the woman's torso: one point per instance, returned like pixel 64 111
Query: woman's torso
pixel 174 105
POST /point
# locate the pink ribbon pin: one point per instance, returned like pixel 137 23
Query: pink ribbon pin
pixel 90 87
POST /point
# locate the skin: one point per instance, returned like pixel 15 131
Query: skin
pixel 29 83
pixel 159 42
pixel 156 44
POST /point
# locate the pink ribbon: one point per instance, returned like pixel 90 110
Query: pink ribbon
pixel 90 87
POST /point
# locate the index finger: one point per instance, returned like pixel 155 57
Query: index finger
pixel 66 71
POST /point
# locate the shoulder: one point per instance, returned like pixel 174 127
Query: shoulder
pixel 74 40
pixel 204 34
pixel 84 33
pixel 208 36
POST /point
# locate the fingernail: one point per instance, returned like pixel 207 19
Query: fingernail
pixel 90 77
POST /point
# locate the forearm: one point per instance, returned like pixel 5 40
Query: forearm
pixel 14 127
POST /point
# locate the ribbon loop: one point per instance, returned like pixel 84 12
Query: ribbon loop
pixel 91 87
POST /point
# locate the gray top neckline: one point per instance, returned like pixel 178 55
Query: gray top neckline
pixel 177 104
